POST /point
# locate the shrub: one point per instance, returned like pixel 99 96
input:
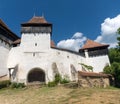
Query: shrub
pixel 17 85
pixel 58 78
pixel 64 80
pixel 4 83
pixel 107 69
pixel 89 68
pixel 51 84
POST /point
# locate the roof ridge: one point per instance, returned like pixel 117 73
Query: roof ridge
pixel 3 24
pixel 7 28
pixel 92 44
pixel 37 19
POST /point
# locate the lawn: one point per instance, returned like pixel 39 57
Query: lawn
pixel 60 95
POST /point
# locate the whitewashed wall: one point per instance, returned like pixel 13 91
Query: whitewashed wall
pixel 98 63
pixel 4 51
pixel 25 61
pixel 35 52
pixel 35 42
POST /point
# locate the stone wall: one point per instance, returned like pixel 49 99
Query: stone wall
pixel 90 79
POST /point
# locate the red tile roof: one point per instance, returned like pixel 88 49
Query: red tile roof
pixel 52 43
pixel 36 20
pixel 92 74
pixel 92 44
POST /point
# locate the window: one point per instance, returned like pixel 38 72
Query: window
pixel 33 54
pixel 35 44
pixel 58 53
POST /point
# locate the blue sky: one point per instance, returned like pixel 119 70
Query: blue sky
pixel 69 17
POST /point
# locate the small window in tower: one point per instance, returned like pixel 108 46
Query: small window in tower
pixel 35 44
pixel 67 56
pixel 58 53
pixel 33 54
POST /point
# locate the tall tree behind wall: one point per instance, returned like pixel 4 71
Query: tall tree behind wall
pixel 114 55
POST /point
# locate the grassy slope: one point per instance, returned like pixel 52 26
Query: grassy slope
pixel 59 95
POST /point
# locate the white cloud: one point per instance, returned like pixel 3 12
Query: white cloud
pixel 74 43
pixel 108 35
pixel 108 31
pixel 77 35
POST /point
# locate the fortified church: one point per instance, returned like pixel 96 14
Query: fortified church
pixel 34 56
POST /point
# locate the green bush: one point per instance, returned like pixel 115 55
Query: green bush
pixel 17 85
pixel 51 84
pixel 58 78
pixel 4 83
pixel 64 80
pixel 107 69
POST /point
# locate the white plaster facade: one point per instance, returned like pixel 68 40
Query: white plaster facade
pixel 35 53
pixel 6 38
pixel 29 56
pixel 4 51
pixel 98 62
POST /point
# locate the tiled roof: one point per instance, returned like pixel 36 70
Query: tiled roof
pixel 3 24
pixel 36 20
pixel 52 43
pixel 8 30
pixel 93 74
pixel 17 41
pixel 92 44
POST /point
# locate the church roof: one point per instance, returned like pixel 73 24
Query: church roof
pixel 92 74
pixel 4 26
pixel 92 44
pixel 18 41
pixel 36 20
pixel 52 43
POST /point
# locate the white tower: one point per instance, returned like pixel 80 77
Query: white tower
pixel 36 35
pixel 96 55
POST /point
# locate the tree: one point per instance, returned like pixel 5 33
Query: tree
pixel 116 73
pixel 114 55
pixel 107 69
pixel 118 38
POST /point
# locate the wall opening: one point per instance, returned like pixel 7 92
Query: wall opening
pixel 36 75
pixel 35 44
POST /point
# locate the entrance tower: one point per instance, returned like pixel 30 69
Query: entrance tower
pixel 36 35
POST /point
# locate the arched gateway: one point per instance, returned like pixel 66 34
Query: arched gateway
pixel 36 74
